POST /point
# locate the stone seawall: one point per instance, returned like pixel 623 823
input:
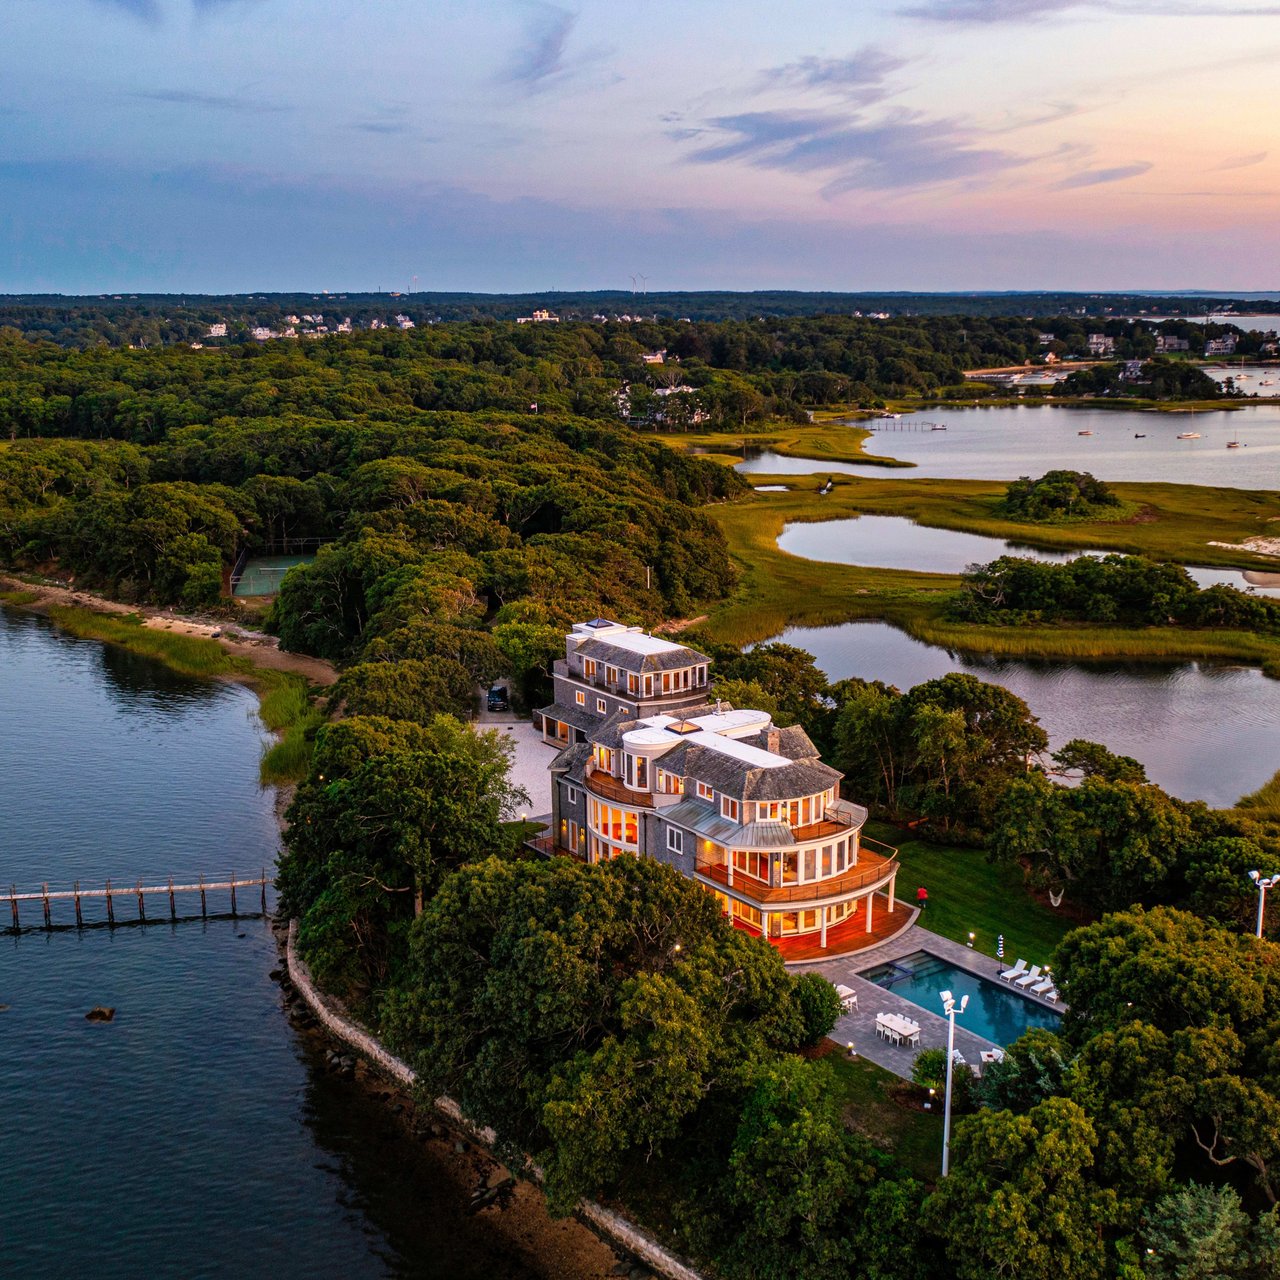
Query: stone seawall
pixel 622 1232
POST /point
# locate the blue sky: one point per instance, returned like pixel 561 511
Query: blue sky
pixel 210 145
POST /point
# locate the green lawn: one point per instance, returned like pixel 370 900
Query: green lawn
pixel 966 893
pixel 875 1104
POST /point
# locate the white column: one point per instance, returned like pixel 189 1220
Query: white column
pixel 823 917
pixel 893 880
pixel 729 865
pixel 870 898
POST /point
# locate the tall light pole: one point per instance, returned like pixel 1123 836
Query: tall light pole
pixel 1263 884
pixel 950 1008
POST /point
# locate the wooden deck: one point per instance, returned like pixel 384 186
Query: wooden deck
pixel 848 936
pixel 871 869
pixel 606 787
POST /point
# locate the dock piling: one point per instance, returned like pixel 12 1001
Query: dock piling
pixel 111 910
pixel 79 916
pixel 204 911
pixel 13 903
pixel 142 907
pixel 173 910
pixel 233 895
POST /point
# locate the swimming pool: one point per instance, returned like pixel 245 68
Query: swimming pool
pixel 996 1012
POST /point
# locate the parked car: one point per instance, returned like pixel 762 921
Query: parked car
pixel 498 700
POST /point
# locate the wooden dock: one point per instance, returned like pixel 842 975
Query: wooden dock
pixel 137 892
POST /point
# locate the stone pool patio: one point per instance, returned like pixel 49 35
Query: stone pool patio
pixel 859 1026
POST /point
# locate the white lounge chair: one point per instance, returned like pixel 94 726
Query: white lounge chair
pixel 1031 975
pixel 1042 988
pixel 1016 972
pixel 1052 994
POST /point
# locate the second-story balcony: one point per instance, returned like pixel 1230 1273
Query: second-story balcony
pixel 872 869
pixel 605 786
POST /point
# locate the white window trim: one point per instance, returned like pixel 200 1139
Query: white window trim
pixel 580 698
pixel 602 707
pixel 675 840
pixel 571 795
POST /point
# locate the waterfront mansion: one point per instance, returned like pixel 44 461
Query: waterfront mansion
pixel 651 767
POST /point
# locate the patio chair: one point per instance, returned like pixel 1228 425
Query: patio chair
pixel 1032 975
pixel 1041 988
pixel 1016 972
pixel 1052 994
pixel 848 998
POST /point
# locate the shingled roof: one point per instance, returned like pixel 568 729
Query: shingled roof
pixel 629 660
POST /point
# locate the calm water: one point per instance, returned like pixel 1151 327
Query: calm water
pixel 995 1012
pixel 1004 443
pixel 1203 732
pixel 894 542
pixel 196 1135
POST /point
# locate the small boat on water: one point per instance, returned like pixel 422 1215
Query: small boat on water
pixel 937 426
pixel 1084 433
pixel 1189 435
pixel 1233 444
pixel 1139 435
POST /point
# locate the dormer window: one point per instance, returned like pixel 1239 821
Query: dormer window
pixel 706 792
pixel 729 808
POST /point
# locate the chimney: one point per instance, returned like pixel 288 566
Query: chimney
pixel 772 741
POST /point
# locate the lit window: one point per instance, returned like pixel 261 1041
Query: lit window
pixel 602 706
pixel 729 808
pixel 705 792
pixel 580 698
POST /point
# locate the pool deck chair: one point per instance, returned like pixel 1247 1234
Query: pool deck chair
pixel 1016 972
pixel 1042 988
pixel 1051 995
pixel 1031 975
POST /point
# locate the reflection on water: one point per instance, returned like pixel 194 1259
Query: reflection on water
pixel 894 542
pixel 1004 443
pixel 195 1135
pixel 1204 732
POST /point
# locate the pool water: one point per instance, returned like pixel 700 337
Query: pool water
pixel 996 1011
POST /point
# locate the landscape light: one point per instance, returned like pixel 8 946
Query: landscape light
pixel 971 937
pixel 1262 884
pixel 950 1008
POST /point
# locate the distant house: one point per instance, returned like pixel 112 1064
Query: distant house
pixel 1225 346
pixel 1101 345
pixel 262 334
pixel 1047 339
pixel 404 322
pixel 293 320
pixel 1132 371
pixel 538 317
pixel 345 326
pixel 654 357
pixel 217 331
pixel 1166 344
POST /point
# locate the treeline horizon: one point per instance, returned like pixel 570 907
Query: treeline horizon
pixel 130 317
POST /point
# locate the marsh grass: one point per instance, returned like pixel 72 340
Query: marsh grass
pixel 1175 522
pixel 285 704
pixel 18 598
pixel 188 655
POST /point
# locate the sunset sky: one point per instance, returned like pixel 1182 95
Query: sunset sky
pixel 212 145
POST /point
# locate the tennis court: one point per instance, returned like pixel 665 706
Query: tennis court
pixel 261 574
